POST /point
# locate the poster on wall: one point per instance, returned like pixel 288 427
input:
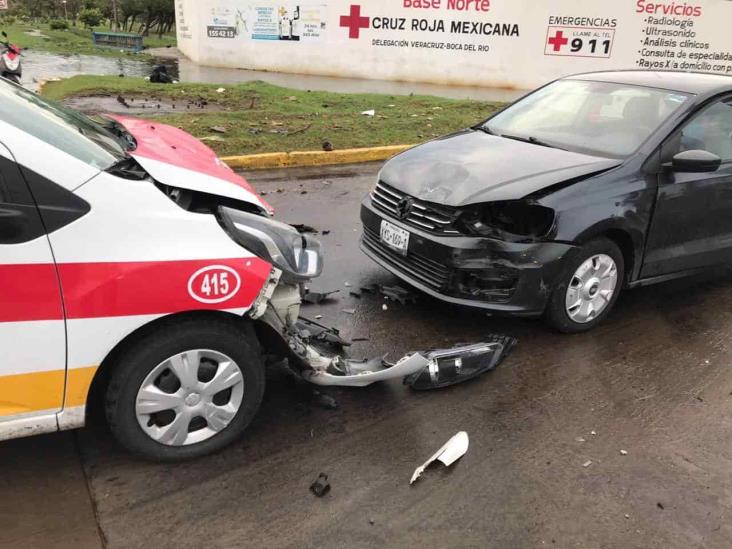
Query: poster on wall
pixel 261 20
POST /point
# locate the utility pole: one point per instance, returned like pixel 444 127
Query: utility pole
pixel 115 22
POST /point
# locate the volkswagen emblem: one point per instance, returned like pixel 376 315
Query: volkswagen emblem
pixel 404 207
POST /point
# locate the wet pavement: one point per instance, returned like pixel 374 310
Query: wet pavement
pixel 544 467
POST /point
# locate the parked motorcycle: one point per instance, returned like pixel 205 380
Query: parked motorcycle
pixel 10 66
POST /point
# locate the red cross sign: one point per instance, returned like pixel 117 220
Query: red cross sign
pixel 354 22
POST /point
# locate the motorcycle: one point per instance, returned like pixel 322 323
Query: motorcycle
pixel 10 66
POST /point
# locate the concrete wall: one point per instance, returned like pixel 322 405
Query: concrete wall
pixel 504 43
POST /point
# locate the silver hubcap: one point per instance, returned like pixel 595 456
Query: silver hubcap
pixel 190 397
pixel 592 288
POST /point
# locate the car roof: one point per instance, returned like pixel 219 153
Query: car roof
pixel 697 83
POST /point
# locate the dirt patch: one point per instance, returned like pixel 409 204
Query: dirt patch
pixel 92 104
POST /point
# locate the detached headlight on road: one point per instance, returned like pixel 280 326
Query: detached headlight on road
pixel 512 220
pixel 297 255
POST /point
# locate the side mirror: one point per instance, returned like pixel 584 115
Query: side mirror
pixel 696 161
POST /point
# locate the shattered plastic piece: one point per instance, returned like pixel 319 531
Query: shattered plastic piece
pixel 304 228
pixel 349 311
pixel 316 298
pixel 220 90
pixel 325 401
pixel 397 293
pixel 347 284
pixel 587 463
pixel 371 112
pixel 312 331
pixel 452 366
pixel 321 486
pixel 623 452
pixel 453 450
pixel 593 433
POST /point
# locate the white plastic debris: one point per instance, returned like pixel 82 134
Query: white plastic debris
pixel 580 439
pixel 587 463
pixel 623 452
pixel 594 433
pixel 372 112
pixel 384 307
pixel 220 90
pixel 453 450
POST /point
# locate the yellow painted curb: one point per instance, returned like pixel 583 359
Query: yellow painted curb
pixel 313 158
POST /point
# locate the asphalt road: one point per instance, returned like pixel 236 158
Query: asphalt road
pixel 544 467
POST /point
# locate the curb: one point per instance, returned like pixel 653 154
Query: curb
pixel 312 158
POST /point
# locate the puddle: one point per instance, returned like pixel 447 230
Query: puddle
pixel 38 66
pixel 137 105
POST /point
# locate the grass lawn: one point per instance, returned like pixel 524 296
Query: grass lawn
pixel 259 117
pixel 74 40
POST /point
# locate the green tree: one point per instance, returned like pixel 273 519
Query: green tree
pixel 91 17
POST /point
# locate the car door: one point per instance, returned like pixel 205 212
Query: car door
pixel 32 332
pixel 692 223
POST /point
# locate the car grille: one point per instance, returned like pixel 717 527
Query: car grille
pixel 427 216
pixel 425 270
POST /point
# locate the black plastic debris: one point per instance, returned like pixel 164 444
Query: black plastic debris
pixel 324 401
pixel 302 229
pixel 321 486
pixel 314 332
pixel 160 75
pixel 397 293
pixel 315 298
pixel 452 366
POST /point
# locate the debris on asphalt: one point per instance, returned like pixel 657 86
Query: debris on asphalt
pixel 623 452
pixel 384 307
pixel 587 463
pixel 315 298
pixel 321 486
pixel 303 229
pixel 593 433
pixel 325 401
pixel 318 317
pixel 397 293
pixel 325 232
pixel 580 439
pixel 453 450
pixel 349 311
pixel 660 505
pixel 347 284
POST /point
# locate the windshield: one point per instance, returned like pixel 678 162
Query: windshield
pixel 65 129
pixel 599 118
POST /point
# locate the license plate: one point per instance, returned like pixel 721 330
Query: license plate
pixel 394 237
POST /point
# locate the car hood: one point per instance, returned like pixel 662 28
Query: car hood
pixel 472 167
pixel 176 158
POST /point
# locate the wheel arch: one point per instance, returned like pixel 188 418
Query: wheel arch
pixel 94 414
pixel 629 241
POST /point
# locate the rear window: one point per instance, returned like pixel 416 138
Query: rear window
pixel 63 128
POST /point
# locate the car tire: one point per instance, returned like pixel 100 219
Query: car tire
pixel 562 312
pixel 217 353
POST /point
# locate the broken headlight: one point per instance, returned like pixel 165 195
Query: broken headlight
pixel 452 366
pixel 298 256
pixel 512 220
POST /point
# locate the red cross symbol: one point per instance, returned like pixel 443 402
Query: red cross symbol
pixel 355 22
pixel 558 40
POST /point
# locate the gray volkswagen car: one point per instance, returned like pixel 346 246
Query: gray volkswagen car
pixel 588 185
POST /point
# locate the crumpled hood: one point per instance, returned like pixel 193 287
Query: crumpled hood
pixel 176 158
pixel 472 166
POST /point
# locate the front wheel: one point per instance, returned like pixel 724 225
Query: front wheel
pixel 186 389
pixel 588 287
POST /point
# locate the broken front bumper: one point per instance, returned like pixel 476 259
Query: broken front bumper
pixel 502 277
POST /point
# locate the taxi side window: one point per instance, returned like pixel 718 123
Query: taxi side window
pixel 19 219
